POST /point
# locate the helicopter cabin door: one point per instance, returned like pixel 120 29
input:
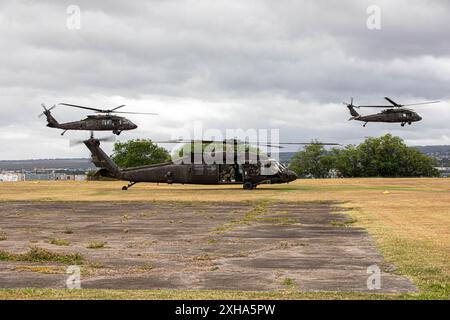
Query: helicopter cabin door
pixel 204 173
pixel 230 173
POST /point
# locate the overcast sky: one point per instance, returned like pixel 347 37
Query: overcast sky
pixel 284 65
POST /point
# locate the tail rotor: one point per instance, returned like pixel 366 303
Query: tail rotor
pixel 46 111
pixel 73 143
pixel 351 107
pixel 350 104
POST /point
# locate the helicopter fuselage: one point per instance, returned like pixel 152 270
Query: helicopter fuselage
pixel 397 115
pixel 247 173
pixel 400 115
pixel 112 123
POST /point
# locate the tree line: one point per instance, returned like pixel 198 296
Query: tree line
pixel 387 156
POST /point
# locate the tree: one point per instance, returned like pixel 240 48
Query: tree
pixel 210 147
pixel 347 161
pixel 312 161
pixel 419 165
pixel 389 156
pixel 386 156
pixel 136 153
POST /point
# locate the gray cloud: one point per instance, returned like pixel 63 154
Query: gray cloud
pixel 252 64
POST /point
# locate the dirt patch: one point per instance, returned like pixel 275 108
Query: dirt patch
pixel 196 245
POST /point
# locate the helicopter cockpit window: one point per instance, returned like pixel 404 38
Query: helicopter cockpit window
pixel 272 167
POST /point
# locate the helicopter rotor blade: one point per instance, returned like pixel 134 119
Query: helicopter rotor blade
pixel 121 106
pixel 105 111
pixel 350 104
pixel 416 104
pixel 126 112
pixel 375 106
pixel 107 139
pixel 82 107
pixel 42 114
pixel 277 145
pixel 46 110
pixel 311 143
pixel 73 143
pixel 395 104
pixel 399 105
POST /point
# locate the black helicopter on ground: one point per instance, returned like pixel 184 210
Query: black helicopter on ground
pixel 392 113
pixel 246 167
pixel 105 120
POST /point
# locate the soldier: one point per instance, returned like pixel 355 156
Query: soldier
pixel 232 175
pixel 226 173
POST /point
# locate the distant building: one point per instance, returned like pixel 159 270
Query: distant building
pixel 80 177
pixel 45 169
pixel 11 177
pixel 444 171
pixel 43 175
pixel 35 176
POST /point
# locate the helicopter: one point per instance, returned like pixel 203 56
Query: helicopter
pixel 106 120
pixel 247 167
pixel 393 113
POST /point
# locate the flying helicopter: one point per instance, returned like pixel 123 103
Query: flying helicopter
pixel 393 113
pixel 105 120
pixel 247 167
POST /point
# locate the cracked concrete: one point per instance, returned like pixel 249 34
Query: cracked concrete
pixel 195 245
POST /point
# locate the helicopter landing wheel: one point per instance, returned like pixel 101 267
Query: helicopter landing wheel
pixel 124 188
pixel 248 186
pixel 402 124
pixel 409 123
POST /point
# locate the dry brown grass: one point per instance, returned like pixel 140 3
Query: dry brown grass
pixel 88 294
pixel 410 222
pixel 42 269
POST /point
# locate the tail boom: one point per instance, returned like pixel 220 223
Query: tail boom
pixel 101 160
pixel 355 115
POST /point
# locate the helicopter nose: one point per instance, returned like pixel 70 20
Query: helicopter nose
pixel 419 118
pixel 291 175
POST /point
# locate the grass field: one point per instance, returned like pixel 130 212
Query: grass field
pixel 409 219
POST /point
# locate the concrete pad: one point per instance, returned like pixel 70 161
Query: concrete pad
pixel 214 246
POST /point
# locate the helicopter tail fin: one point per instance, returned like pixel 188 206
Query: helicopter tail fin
pixel 51 121
pixel 354 114
pixel 101 160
